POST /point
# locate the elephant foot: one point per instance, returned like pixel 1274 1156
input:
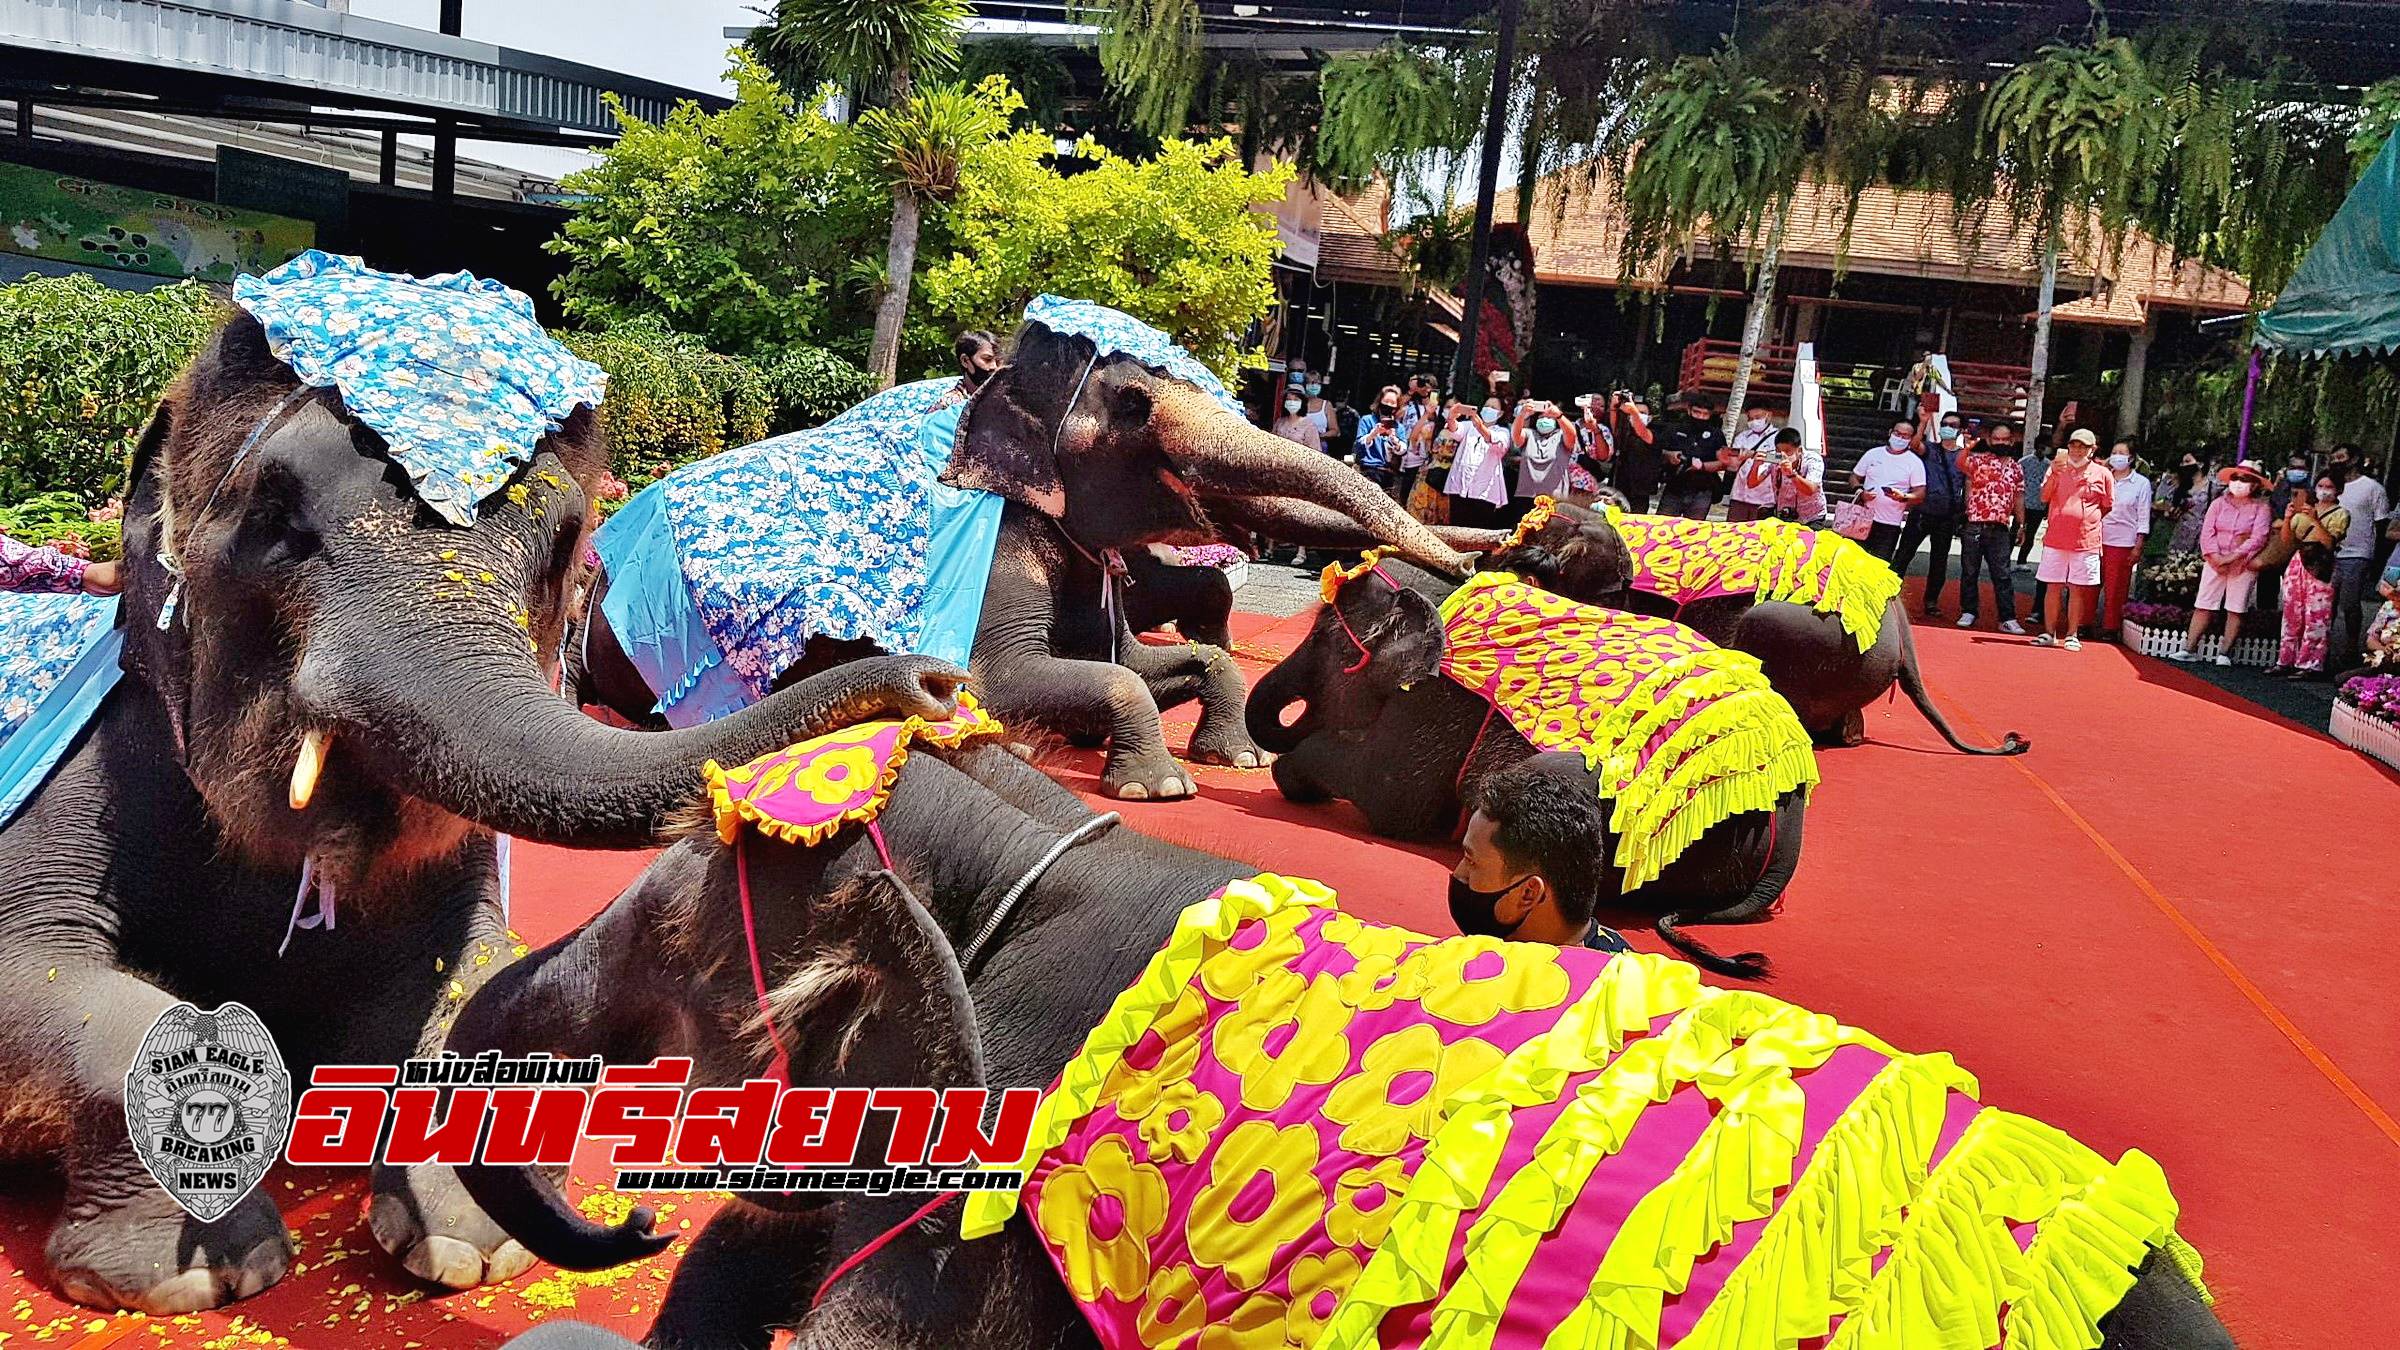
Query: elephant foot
pixel 1297 786
pixel 148 1256
pixel 424 1216
pixel 1231 748
pixel 1848 733
pixel 1144 781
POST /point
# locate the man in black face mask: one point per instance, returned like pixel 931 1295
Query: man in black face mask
pixel 1534 851
pixel 978 356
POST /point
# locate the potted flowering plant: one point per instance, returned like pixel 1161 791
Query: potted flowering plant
pixel 1234 563
pixel 2173 579
pixel 2366 716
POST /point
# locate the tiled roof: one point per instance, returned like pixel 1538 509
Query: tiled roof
pixel 1895 232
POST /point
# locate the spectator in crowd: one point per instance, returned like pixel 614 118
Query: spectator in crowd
pixel 978 355
pixel 2292 482
pixel 2383 631
pixel 1381 449
pixel 1756 466
pixel 2231 538
pixel 1594 445
pixel 1696 462
pixel 1799 481
pixel 1532 868
pixel 2307 537
pixel 2036 465
pixel 2172 499
pixel 1891 480
pixel 1936 519
pixel 2354 561
pixel 1318 409
pixel 1639 461
pixel 1478 481
pixel 1542 449
pixel 1995 508
pixel 1295 425
pixel 47 571
pixel 2079 493
pixel 1416 452
pixel 2123 536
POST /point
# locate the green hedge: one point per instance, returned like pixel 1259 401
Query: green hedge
pixel 81 368
pixel 62 520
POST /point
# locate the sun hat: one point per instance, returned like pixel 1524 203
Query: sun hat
pixel 2244 469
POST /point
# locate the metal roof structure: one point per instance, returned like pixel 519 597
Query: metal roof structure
pixel 275 61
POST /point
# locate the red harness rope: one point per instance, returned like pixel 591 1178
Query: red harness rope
pixel 758 968
pixel 1364 654
pixel 883 1239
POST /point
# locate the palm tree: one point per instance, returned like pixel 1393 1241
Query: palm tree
pixel 2078 137
pixel 1718 148
pixel 878 49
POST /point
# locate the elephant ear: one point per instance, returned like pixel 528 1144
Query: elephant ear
pixel 161 659
pixel 1010 445
pixel 1407 641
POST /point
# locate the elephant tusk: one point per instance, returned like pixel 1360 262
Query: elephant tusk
pixel 308 766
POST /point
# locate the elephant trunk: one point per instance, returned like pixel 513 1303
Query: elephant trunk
pixel 462 718
pixel 1279 689
pixel 1235 459
pixel 562 1000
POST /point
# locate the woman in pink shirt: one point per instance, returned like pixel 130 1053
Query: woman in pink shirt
pixel 2231 538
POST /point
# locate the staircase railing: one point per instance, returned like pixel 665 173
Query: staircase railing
pixel 1709 364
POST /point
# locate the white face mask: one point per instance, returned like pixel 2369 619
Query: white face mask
pixel 2241 489
pixel 1491 415
pixel 1291 405
pixel 2120 462
pixel 1758 419
pixel 2326 494
pixel 1899 443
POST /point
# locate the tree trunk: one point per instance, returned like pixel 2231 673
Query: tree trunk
pixel 2035 384
pixel 1754 327
pixel 1529 165
pixel 899 263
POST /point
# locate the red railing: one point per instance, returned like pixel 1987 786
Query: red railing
pixel 1983 389
pixel 1710 363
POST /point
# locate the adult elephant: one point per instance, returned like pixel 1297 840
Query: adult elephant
pixel 1387 727
pixel 332 691
pixel 1811 647
pixel 978 526
pixel 849 957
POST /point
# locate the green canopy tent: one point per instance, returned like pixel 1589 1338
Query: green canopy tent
pixel 2345 299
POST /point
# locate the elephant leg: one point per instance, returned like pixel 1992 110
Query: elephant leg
pixel 121 1241
pixel 1068 696
pixel 1302 771
pixel 420 980
pixel 749 1273
pixel 1757 867
pixel 1191 670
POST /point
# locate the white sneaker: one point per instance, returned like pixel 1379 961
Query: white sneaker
pixel 1966 621
pixel 2182 656
pixel 2044 640
pixel 2013 628
pixel 2223 659
pixel 2073 644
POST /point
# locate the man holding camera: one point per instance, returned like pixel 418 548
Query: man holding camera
pixel 1696 462
pixel 1636 459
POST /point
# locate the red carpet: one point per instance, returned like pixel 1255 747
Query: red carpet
pixel 2164 928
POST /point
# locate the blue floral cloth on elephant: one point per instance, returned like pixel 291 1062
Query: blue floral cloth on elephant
pixel 453 371
pixel 721 573
pixel 58 658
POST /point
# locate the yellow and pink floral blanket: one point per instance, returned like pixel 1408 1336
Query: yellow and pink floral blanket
pixel 1690 560
pixel 1683 733
pixel 1297 1129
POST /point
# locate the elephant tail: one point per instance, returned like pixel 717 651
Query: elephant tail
pixel 1739 966
pixel 1912 681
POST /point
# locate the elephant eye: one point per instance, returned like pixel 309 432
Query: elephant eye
pixel 1129 406
pixel 276 529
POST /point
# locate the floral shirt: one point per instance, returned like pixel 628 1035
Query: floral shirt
pixel 1995 488
pixel 24 568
